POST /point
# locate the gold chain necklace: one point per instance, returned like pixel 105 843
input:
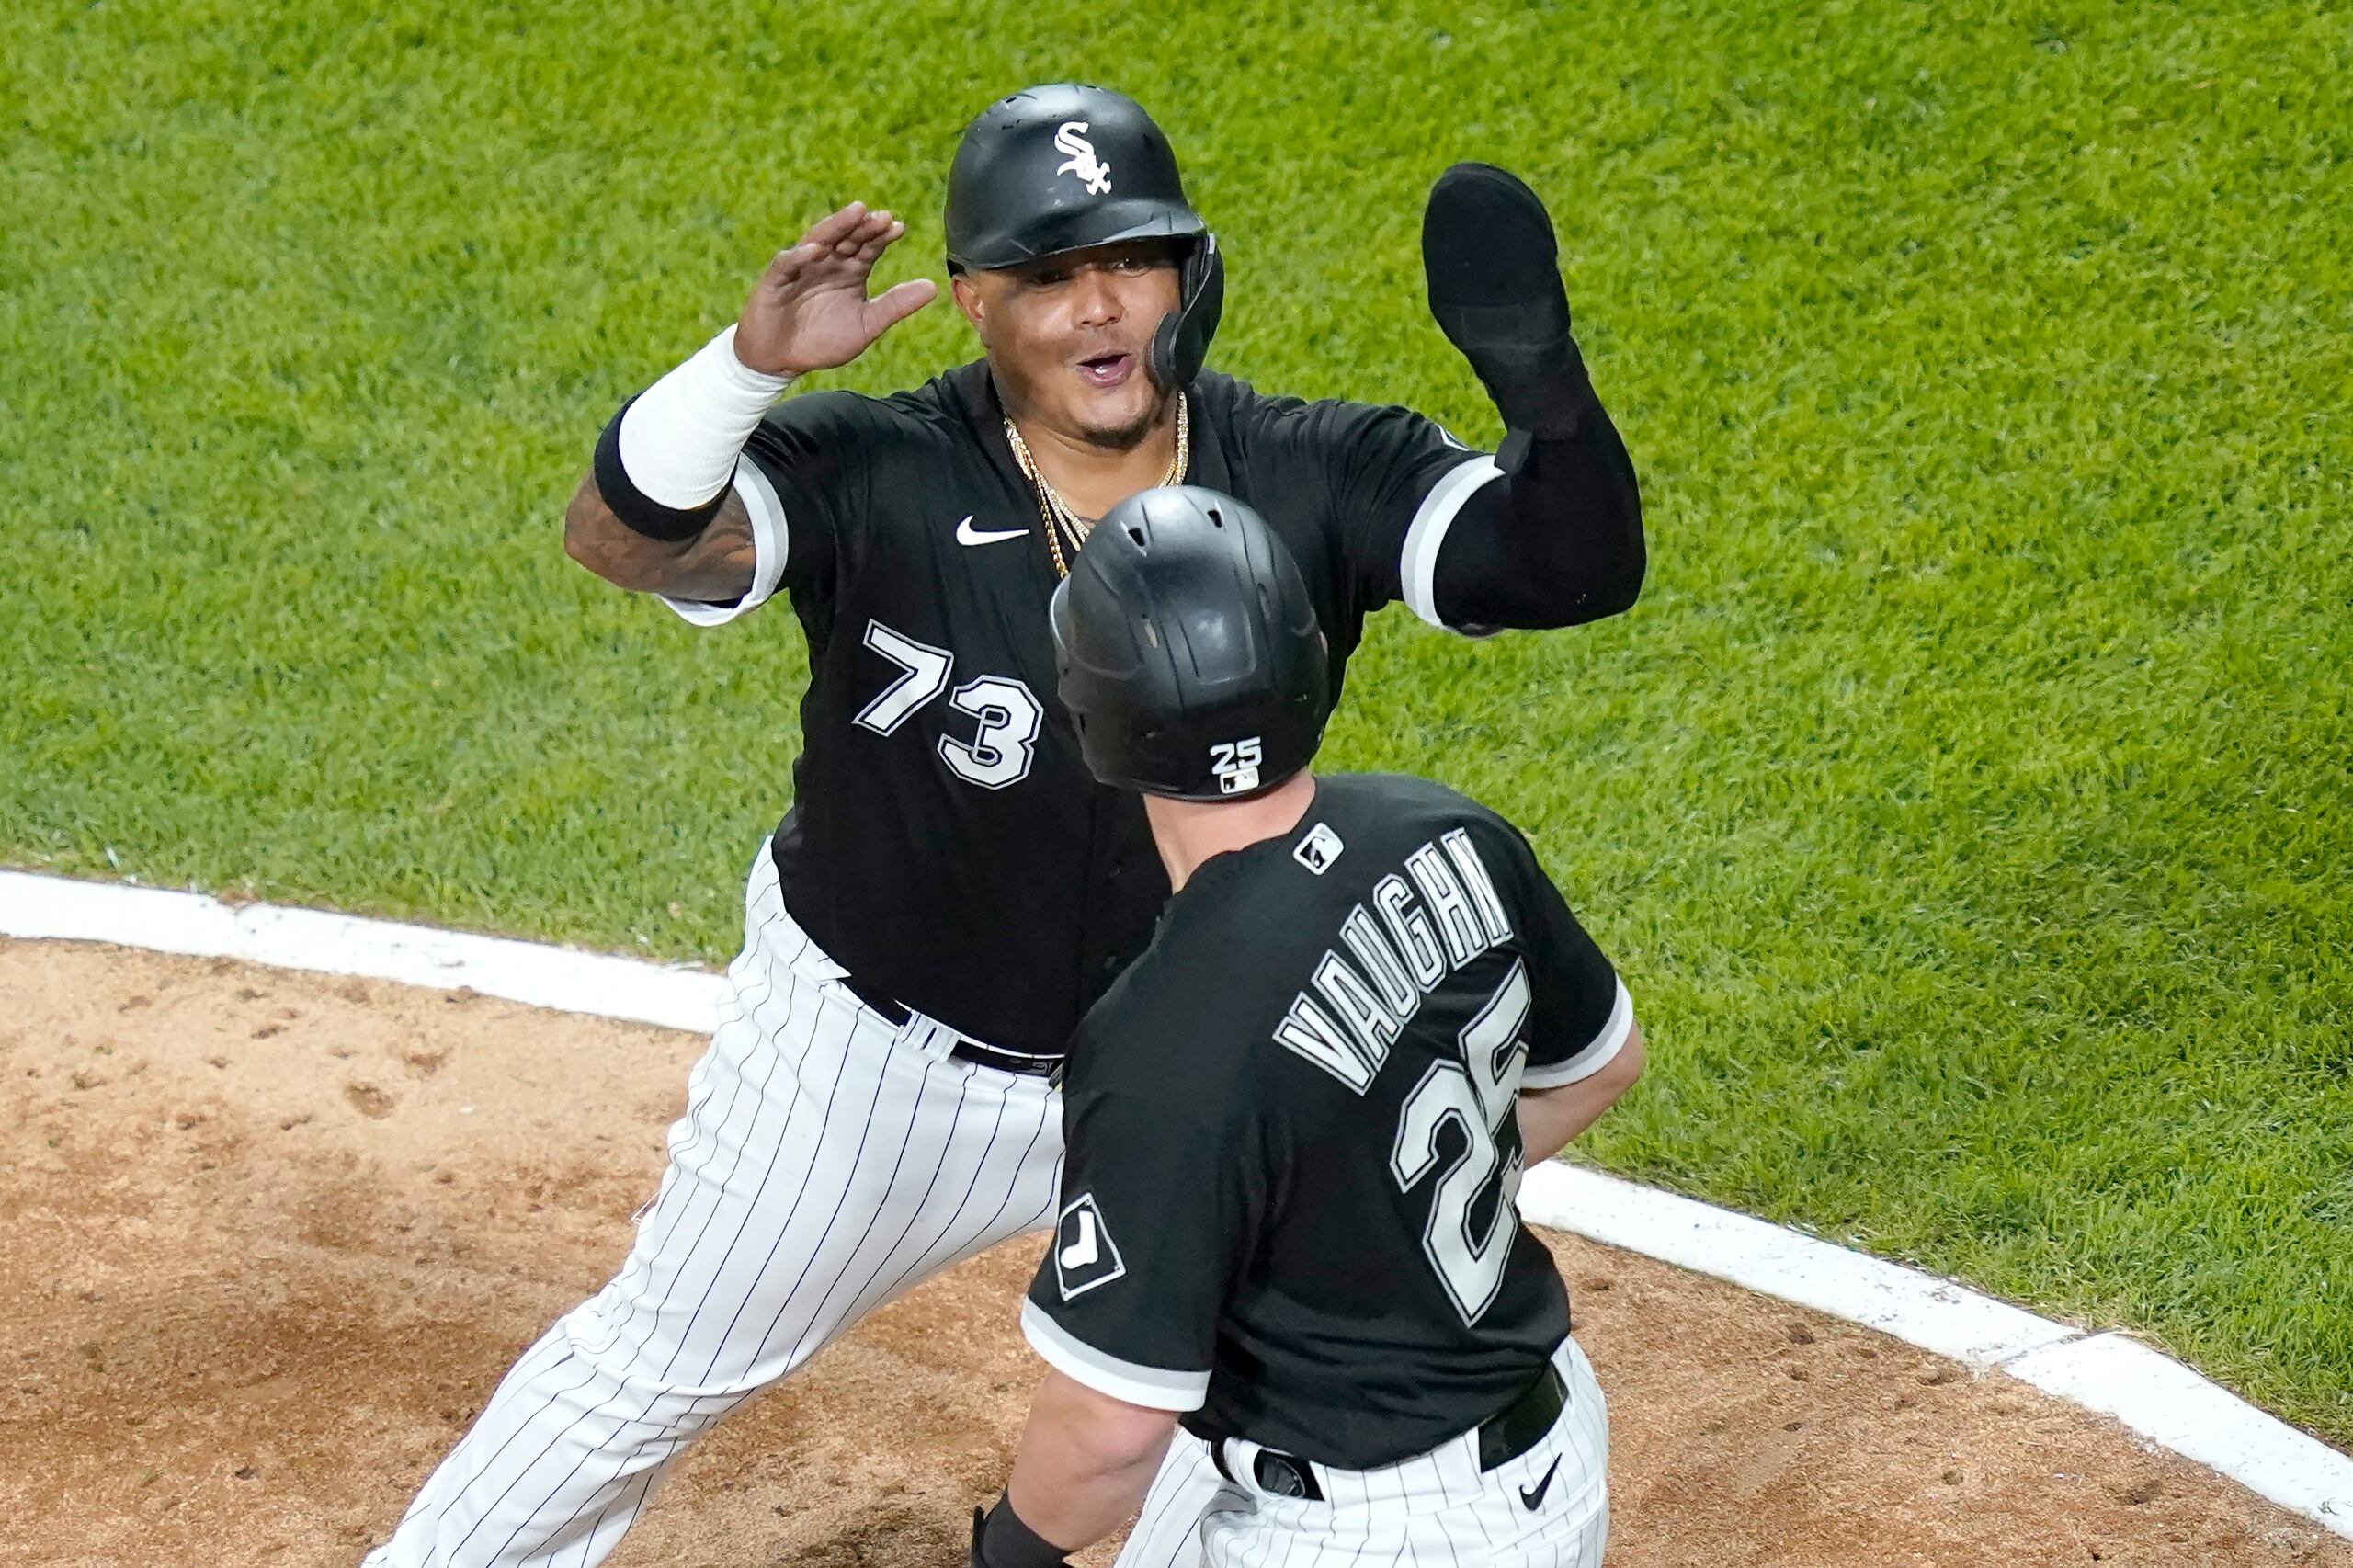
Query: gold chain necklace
pixel 1058 521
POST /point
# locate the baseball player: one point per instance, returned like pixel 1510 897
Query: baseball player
pixel 1294 1127
pixel 950 889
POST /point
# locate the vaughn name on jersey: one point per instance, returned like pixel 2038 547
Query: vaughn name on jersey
pixel 1291 1147
pixel 1429 917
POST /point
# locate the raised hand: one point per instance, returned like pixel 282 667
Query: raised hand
pixel 808 310
pixel 1494 286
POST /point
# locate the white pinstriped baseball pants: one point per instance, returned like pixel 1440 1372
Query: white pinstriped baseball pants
pixel 828 1161
pixel 1436 1508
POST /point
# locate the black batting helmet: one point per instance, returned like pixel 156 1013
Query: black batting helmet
pixel 1188 650
pixel 1064 167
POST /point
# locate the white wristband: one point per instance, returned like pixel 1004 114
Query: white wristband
pixel 680 439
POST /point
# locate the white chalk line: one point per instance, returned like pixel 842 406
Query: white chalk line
pixel 2151 1394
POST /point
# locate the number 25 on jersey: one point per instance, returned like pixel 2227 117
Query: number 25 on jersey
pixel 1477 1096
pixel 1000 753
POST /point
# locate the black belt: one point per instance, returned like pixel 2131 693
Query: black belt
pixel 892 1011
pixel 1503 1437
pixel 1522 1424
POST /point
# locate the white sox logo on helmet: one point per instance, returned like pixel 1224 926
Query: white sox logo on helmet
pixel 1092 172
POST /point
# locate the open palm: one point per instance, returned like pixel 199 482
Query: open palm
pixel 810 309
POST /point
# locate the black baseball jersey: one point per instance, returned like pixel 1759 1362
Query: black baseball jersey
pixel 1290 1147
pixel 946 843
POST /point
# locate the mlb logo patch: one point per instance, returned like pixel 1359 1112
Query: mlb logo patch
pixel 1318 850
pixel 1084 1255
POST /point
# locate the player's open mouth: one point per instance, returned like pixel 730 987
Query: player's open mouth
pixel 1107 370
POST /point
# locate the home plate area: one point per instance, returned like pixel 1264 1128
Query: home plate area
pixel 270 1238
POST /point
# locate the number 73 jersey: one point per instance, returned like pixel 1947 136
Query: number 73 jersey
pixel 946 843
pixel 1290 1147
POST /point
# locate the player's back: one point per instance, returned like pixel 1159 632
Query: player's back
pixel 1341 1018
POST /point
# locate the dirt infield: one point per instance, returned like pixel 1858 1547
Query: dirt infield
pixel 266 1240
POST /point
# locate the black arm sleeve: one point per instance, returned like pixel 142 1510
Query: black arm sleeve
pixel 1558 541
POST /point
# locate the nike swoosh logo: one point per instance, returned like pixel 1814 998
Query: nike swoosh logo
pixel 1081 1252
pixel 1533 1497
pixel 966 534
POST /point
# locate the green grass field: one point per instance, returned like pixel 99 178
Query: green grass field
pixel 1966 800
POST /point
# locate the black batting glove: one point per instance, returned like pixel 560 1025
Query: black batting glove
pixel 1495 287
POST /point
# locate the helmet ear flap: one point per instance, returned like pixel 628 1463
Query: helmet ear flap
pixel 1181 342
